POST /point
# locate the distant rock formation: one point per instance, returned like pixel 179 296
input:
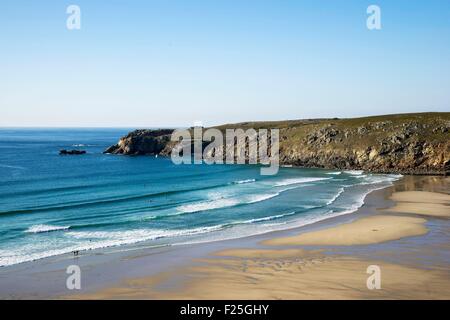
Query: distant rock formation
pixel 403 143
pixel 142 142
pixel 71 152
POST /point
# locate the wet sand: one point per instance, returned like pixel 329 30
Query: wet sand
pixel 406 236
pixel 422 203
pixel 368 230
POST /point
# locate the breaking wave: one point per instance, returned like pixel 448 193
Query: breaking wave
pixel 341 190
pixel 45 228
pixel 291 181
pixel 244 181
pixel 354 172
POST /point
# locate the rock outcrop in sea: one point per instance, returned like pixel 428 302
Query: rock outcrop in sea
pixel 403 143
pixel 71 152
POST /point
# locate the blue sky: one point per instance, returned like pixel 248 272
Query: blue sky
pixel 170 63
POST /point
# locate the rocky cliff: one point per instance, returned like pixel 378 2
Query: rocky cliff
pixel 405 143
pixel 142 142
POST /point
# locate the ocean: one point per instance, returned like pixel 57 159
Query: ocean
pixel 53 205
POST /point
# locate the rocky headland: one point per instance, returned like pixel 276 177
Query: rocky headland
pixel 65 152
pixel 404 143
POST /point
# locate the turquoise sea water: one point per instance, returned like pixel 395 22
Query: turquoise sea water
pixel 51 204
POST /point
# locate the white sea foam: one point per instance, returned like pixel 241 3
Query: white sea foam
pixel 133 236
pixel 290 181
pixel 219 200
pixel 82 145
pixel 355 172
pixel 45 228
pixel 335 173
pixel 376 179
pixel 269 218
pixel 223 203
pixel 262 197
pixel 244 181
pixel 337 195
pixel 105 239
pixel 207 205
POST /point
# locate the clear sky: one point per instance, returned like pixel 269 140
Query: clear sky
pixel 170 63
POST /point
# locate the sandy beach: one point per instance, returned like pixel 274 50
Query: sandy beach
pixel 330 262
pixel 368 230
pixel 403 229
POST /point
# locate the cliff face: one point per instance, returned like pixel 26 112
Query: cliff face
pixel 142 142
pixel 406 143
pixel 408 147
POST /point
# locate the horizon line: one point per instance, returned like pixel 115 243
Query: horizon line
pixel 223 123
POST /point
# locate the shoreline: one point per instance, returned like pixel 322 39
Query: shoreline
pixel 310 270
pixel 150 245
pixel 146 263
